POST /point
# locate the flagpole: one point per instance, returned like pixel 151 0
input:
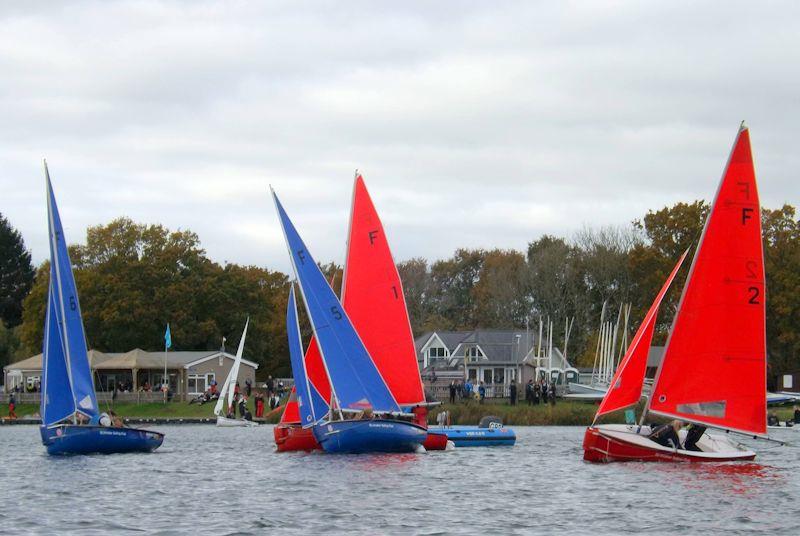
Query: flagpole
pixel 165 381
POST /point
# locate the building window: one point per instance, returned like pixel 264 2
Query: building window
pixel 199 383
pixel 436 354
pixel 473 354
pixel 499 375
pixel 487 376
pixel 472 374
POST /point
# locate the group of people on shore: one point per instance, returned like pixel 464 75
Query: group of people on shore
pixel 540 391
pixel 535 392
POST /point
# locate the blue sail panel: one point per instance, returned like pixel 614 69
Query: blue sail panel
pixel 355 380
pixel 68 313
pixel 312 408
pixel 56 403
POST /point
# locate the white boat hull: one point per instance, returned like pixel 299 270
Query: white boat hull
pixel 233 423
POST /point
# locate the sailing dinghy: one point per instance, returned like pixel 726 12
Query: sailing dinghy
pixel 70 415
pixel 713 372
pixel 363 415
pixel 371 283
pixel 229 388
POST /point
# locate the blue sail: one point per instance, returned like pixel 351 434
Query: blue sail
pixel 57 403
pixel 355 381
pixel 64 301
pixel 311 405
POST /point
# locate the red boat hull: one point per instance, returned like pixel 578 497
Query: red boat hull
pixel 435 441
pixel 599 447
pixel 293 437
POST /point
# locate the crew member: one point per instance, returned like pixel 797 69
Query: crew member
pixel 667 434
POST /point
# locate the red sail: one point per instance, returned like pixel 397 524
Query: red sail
pixel 291 412
pixel 372 295
pixel 626 386
pixel 714 366
pixel 316 370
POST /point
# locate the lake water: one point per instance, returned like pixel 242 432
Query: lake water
pixel 230 481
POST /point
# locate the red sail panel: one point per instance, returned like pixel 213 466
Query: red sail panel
pixel 714 366
pixel 315 369
pixel 372 295
pixel 626 386
pixel 291 412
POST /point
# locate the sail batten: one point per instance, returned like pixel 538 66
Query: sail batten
pixel 719 331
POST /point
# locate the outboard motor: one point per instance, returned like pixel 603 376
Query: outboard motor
pixel 491 421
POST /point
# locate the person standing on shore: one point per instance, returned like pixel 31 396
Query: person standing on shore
pixel 453 392
pixel 537 391
pixel 512 392
pixel 529 393
pixel 12 405
pixel 543 389
pixel 248 387
pixel 270 386
pixel 481 393
pixel 552 393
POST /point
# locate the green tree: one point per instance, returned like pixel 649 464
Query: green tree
pixel 501 294
pixel 452 283
pixel 16 273
pixel 781 230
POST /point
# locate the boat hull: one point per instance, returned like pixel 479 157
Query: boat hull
pixel 80 439
pixel 364 436
pixel 233 423
pixel 473 436
pixel 293 437
pixel 435 441
pixel 619 443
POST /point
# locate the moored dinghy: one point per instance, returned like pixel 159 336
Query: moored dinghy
pixel 713 373
pixel 229 388
pixel 357 389
pixel 70 415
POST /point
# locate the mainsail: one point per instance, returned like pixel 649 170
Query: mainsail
pixel 714 366
pixel 626 386
pixel 311 407
pixel 372 295
pixel 229 387
pixel 68 385
pixel 356 382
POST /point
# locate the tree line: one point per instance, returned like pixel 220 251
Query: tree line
pixel 134 278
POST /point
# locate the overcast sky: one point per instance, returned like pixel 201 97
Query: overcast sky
pixel 479 124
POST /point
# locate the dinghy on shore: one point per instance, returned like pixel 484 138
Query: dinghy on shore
pixel 713 373
pixel 71 422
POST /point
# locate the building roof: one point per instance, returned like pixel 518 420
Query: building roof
pixel 134 359
pixel 35 362
pixel 498 346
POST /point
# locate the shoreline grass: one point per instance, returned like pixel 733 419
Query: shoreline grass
pixel 563 413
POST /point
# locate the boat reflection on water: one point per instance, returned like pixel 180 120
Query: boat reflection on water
pixel 738 478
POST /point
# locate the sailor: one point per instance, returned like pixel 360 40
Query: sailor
pixel 694 434
pixel 104 419
pixel 667 434
pixel 420 415
pixel 772 420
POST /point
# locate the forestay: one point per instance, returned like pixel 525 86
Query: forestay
pixel 626 385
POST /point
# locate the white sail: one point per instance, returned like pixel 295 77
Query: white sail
pixel 228 387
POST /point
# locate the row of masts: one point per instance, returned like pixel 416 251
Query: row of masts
pixel 612 343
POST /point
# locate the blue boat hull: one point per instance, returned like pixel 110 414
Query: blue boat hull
pixel 363 436
pixel 80 439
pixel 472 436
